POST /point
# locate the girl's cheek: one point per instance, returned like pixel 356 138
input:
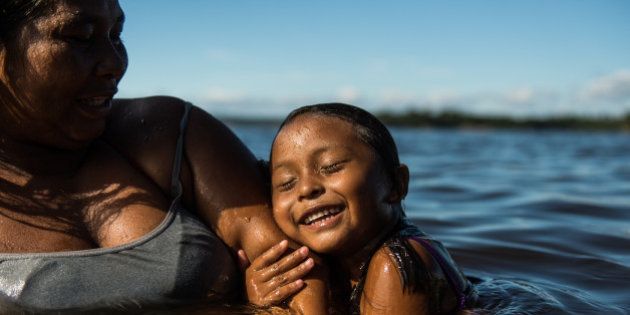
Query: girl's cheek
pixel 281 212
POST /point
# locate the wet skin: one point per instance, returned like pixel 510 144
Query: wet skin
pixel 79 170
pixel 319 164
pixel 73 61
pixel 332 194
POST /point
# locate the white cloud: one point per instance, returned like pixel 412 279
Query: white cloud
pixel 614 87
pixel 221 55
pixel 520 96
pixel 444 98
pixel 222 95
pixel 348 94
pixel 606 95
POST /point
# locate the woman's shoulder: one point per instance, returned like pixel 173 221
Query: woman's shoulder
pixel 145 132
pixel 140 114
pixel 137 121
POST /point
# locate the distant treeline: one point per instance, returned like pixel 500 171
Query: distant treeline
pixel 461 120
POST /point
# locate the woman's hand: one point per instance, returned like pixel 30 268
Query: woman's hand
pixel 271 278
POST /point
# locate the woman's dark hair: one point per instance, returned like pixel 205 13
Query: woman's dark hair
pixel 14 13
pixel 369 129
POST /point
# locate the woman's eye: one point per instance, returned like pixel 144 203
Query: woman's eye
pixel 80 38
pixel 116 38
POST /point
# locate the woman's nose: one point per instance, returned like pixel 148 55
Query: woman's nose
pixel 310 188
pixel 112 62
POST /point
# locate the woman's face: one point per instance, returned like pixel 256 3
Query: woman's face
pixel 59 74
pixel 329 190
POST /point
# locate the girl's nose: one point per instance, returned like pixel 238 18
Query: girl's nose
pixel 310 188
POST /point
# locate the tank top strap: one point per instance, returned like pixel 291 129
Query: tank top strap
pixel 447 268
pixel 176 184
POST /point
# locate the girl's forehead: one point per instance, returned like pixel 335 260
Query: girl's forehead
pixel 316 135
pixel 316 127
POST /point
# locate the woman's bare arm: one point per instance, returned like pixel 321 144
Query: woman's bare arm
pixel 231 195
pixel 220 178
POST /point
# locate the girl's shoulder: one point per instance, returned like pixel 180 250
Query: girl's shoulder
pixel 410 269
pixel 384 290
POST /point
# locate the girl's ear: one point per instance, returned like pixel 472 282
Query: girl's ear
pixel 400 184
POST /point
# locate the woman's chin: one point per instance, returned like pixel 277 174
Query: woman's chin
pixel 79 138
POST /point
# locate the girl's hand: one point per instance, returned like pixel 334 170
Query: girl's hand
pixel 271 278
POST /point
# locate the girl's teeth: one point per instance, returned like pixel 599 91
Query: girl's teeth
pixel 321 214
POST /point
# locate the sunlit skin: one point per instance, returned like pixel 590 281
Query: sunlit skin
pixel 70 56
pixel 319 162
pixel 79 170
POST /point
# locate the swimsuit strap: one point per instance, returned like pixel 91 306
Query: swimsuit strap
pixel 176 184
pixel 446 268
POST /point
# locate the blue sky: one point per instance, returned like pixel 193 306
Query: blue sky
pixel 265 57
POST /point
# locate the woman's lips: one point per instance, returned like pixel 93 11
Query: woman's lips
pixel 95 107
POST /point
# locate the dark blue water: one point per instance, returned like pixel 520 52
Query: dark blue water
pixel 539 220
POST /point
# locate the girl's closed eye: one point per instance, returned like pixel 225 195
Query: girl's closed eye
pixel 286 184
pixel 333 167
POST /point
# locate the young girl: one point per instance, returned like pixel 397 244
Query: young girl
pixel 337 187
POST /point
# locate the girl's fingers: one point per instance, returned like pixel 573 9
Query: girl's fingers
pixel 285 264
pixel 284 292
pixel 270 256
pixel 292 275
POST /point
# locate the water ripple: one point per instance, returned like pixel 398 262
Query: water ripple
pixel 540 219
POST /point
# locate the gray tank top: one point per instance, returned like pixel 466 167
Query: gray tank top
pixel 180 260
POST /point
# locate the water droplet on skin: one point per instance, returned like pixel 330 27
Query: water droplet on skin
pixel 142 121
pixel 247 219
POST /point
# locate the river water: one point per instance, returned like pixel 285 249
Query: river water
pixel 539 220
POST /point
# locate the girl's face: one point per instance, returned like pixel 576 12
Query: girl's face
pixel 329 190
pixel 58 90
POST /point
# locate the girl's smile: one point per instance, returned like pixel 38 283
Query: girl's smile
pixel 330 191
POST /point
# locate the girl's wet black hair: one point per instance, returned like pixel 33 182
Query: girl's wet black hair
pixel 413 273
pixel 369 129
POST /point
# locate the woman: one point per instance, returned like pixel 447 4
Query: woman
pixel 114 202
